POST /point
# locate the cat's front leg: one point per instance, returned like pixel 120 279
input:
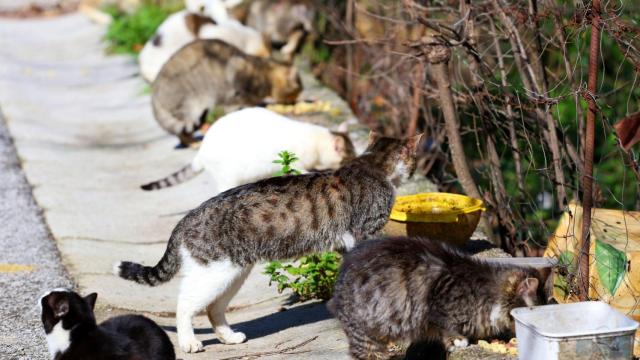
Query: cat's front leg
pixel 372 229
pixel 450 339
pixel 454 342
pixel 346 242
pixel 371 226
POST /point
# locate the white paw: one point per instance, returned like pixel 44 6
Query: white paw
pixel 233 338
pixel 191 346
pixel 457 344
pixel 460 343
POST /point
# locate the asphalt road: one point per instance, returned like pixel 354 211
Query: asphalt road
pixel 29 260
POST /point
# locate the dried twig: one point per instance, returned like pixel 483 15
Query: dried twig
pixel 291 350
pixel 438 56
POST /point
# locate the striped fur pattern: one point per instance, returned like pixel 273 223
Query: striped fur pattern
pixel 403 290
pixel 277 218
pixel 206 73
pixel 187 172
pixel 289 216
pixel 166 268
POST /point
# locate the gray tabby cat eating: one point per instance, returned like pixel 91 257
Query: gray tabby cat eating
pixel 404 290
pixel 206 73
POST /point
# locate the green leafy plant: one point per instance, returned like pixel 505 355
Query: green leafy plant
pixel 312 276
pixel 286 158
pixel 128 33
pixel 214 114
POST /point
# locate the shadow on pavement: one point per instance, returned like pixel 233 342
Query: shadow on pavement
pixel 272 323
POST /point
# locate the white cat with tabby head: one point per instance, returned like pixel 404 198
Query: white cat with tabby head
pixel 184 27
pixel 240 148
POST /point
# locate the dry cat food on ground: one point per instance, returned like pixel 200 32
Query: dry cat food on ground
pixel 305 108
pixel 500 347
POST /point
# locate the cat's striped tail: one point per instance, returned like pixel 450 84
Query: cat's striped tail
pixel 166 268
pixel 180 176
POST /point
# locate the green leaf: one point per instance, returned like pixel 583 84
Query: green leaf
pixel 611 264
pixel 293 271
pixel 567 258
pixel 560 282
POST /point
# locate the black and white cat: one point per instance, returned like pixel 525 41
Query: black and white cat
pixel 73 334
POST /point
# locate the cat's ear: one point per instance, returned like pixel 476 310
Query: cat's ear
pixel 61 307
pixel 339 144
pixel 91 300
pixel 373 137
pixel 343 127
pixel 527 290
pixel 413 142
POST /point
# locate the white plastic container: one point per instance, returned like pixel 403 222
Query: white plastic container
pixel 579 331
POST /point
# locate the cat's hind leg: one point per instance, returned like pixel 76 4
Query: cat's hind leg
pixel 364 347
pixel 216 310
pixel 201 285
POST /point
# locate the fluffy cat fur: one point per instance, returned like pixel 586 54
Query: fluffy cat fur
pixel 255 136
pixel 404 290
pixel 284 217
pixel 206 73
pixel 183 27
pixel 285 23
pixel 215 9
pixel 72 332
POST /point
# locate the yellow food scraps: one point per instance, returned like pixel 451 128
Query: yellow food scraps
pixel 305 108
pixel 500 347
pixel 12 268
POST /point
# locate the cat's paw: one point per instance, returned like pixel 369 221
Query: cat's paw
pixel 191 345
pixel 456 343
pixel 461 343
pixel 233 338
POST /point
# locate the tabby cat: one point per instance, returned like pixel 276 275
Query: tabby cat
pixel 284 217
pixel 285 23
pixel 403 290
pixel 206 73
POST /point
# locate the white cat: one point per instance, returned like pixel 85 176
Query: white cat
pixel 181 28
pixel 215 9
pixel 240 148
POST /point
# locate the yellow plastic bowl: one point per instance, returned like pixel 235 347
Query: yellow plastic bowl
pixel 440 216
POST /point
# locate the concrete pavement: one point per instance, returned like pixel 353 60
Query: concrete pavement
pixel 86 139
